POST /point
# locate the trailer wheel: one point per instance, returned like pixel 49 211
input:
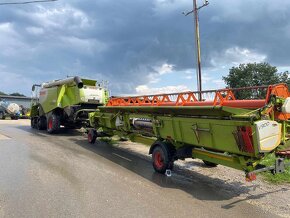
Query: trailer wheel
pixel 92 136
pixel 161 159
pixel 209 164
pixel 53 123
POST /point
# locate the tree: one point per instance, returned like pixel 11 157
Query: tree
pixel 17 94
pixel 254 74
pixel 2 93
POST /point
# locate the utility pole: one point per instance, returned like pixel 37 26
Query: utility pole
pixel 197 41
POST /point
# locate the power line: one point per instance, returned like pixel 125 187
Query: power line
pixel 27 2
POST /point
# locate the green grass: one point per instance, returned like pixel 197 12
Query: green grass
pixel 108 140
pixel 279 178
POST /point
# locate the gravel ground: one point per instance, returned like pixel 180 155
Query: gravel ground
pixel 269 197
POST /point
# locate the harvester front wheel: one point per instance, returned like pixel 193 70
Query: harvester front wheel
pixel 92 136
pixel 32 124
pixel 53 123
pixel 41 123
pixel 2 116
pixel 161 159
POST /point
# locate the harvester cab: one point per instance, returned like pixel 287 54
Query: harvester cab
pixel 66 102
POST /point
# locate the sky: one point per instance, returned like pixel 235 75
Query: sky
pixel 138 46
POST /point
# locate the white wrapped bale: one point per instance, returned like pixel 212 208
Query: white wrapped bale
pixel 13 108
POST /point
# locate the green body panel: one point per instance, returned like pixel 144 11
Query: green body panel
pixel 61 97
pixel 50 102
pixel 212 134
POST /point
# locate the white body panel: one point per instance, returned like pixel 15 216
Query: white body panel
pixel 268 135
pixel 92 93
pixel 286 106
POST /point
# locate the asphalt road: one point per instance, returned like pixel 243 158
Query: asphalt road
pixel 62 175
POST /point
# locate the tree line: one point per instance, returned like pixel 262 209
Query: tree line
pixel 254 74
pixel 13 94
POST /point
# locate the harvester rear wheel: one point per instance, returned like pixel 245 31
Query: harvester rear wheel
pixel 53 123
pixel 161 159
pixel 92 136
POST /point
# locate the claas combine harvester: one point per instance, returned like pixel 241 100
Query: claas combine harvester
pixel 66 102
pixel 237 128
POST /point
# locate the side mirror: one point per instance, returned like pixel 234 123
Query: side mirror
pixel 34 85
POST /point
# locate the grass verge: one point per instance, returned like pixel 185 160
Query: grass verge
pixel 108 140
pixel 277 178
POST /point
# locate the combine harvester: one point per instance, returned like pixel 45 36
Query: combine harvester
pixel 8 109
pixel 220 129
pixel 65 103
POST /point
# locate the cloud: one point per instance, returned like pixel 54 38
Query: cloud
pixel 158 72
pixel 235 56
pixel 145 90
pixel 132 43
pixel 10 84
pixel 35 30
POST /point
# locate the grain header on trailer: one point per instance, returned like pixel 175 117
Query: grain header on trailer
pixel 222 128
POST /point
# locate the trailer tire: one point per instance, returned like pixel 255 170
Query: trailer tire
pixel 161 159
pixel 92 136
pixel 53 123
pixel 209 164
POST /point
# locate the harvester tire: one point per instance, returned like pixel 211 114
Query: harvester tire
pixel 32 123
pixel 209 164
pixel 53 124
pixel 92 136
pixel 161 159
pixel 41 123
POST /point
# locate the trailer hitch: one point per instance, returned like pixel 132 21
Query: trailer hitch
pixel 278 167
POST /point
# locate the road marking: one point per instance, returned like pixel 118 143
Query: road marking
pixel 4 137
pixel 122 157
